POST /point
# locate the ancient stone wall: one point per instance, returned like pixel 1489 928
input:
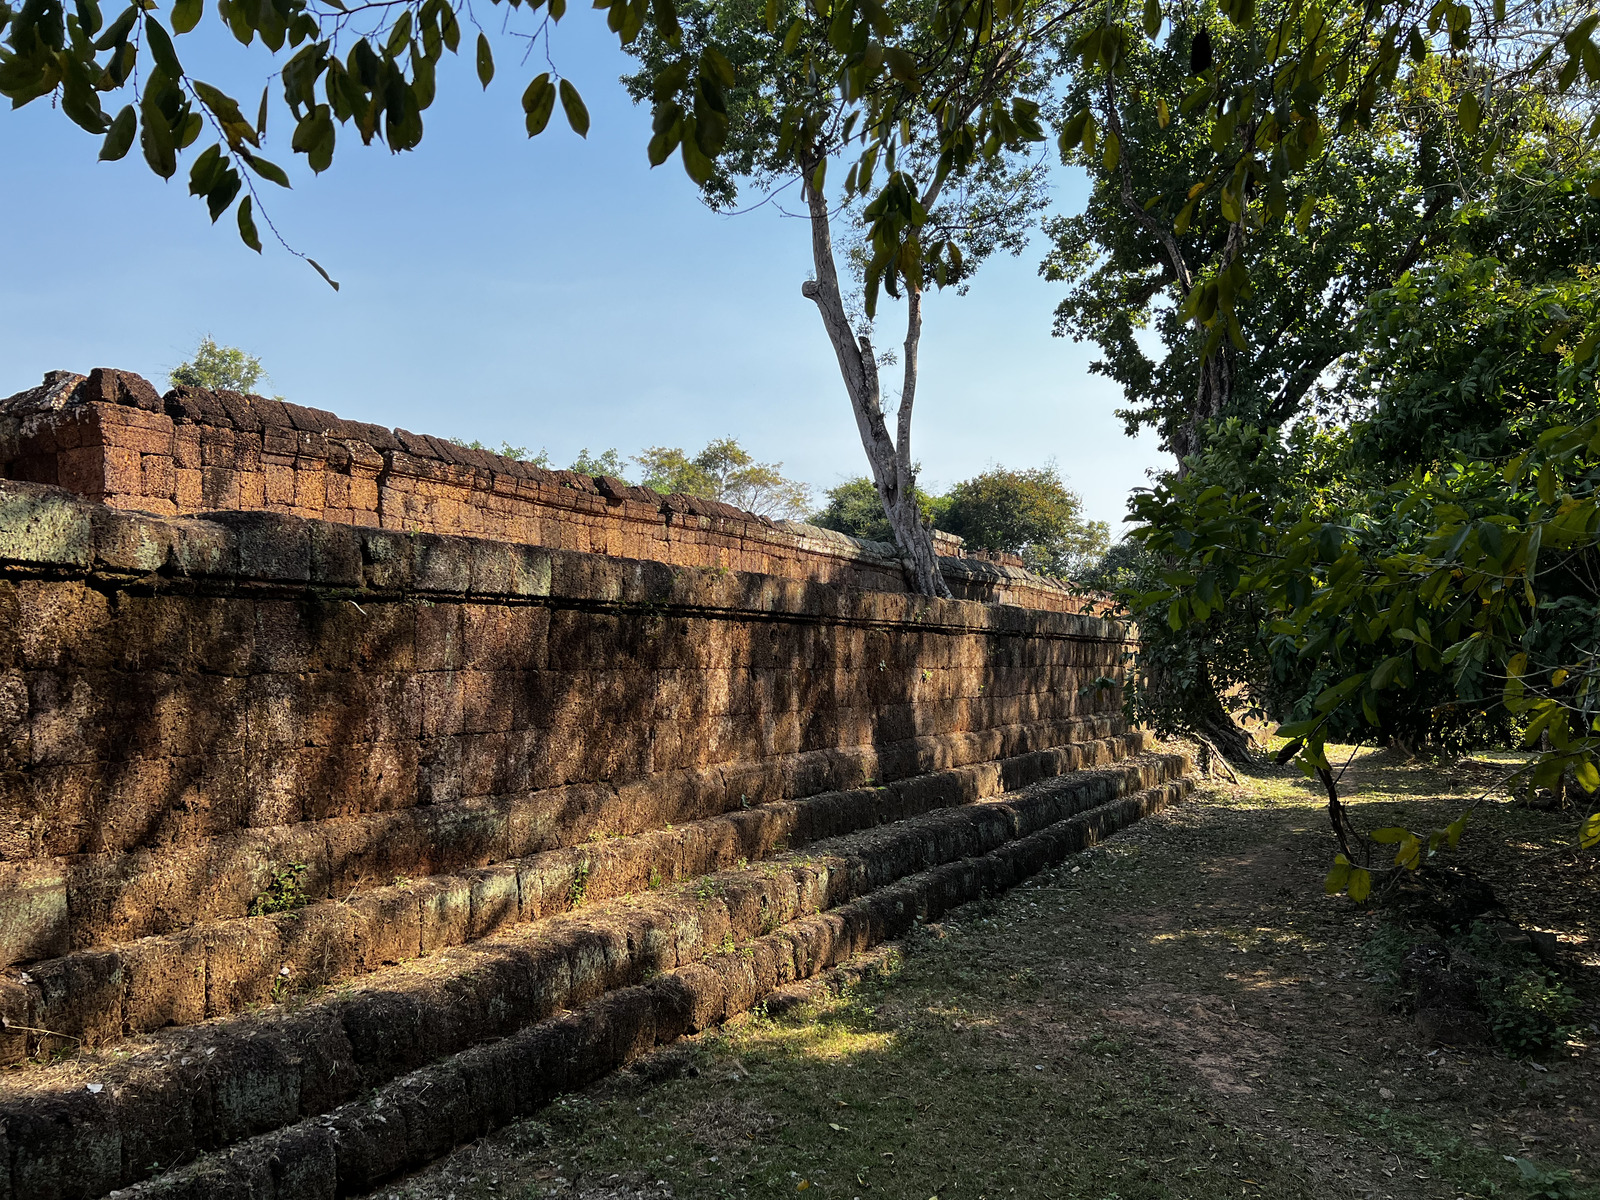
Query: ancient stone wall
pixel 110 437
pixel 187 703
pixel 356 837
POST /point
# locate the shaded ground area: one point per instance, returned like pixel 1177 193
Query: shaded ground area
pixel 1180 1013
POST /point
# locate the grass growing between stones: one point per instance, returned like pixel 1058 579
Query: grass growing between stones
pixel 1180 1013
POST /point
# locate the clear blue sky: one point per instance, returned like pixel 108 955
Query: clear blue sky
pixel 554 293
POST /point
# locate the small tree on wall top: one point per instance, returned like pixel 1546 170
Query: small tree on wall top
pixel 217 367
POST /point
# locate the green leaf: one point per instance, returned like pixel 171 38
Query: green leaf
pixel 1386 671
pixel 247 226
pixel 120 137
pixel 314 137
pixel 267 170
pixel 572 105
pixel 538 102
pixel 715 63
pixel 1302 219
pixel 1072 131
pixel 186 14
pixel 1113 152
pixel 1152 17
pixel 160 43
pixel 117 32
pixel 1469 112
pixel 207 167
pixel 1589 831
pixel 902 64
pixel 1390 835
pixel 485 60
pixel 1455 829
pixel 157 143
pixel 317 267
pixel 226 110
pixel 1330 698
pixel 1339 877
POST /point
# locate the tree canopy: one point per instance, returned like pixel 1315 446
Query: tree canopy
pixel 1426 566
pixel 853 507
pixel 1029 512
pixel 1377 198
pixel 935 105
pixel 1032 513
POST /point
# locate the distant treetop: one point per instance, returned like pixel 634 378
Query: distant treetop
pixel 219 368
pixel 726 471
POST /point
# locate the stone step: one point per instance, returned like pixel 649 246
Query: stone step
pixel 99 996
pixel 421 1116
pixel 50 907
pixel 75 1130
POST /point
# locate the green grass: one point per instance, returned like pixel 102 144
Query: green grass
pixel 1179 1014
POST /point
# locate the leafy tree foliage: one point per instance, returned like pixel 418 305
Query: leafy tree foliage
pixel 1431 568
pixel 1462 348
pixel 1029 512
pixel 1471 587
pixel 726 471
pixel 218 367
pixel 1277 98
pixel 1377 200
pixel 515 453
pixel 800 105
pixel 935 93
pixel 853 507
pixel 608 462
pixel 1251 224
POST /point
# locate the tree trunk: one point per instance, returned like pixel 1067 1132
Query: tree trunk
pixel 1211 399
pixel 892 470
pixel 1211 720
pixel 1203 706
pixel 1215 388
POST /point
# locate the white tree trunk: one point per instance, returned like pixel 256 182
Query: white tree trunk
pixel 892 471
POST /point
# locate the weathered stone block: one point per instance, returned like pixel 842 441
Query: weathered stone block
pixel 34 921
pixel 335 555
pixel 270 546
pixel 44 526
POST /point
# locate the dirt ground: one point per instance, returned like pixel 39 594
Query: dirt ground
pixel 1180 1013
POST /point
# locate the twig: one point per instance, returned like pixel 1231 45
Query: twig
pixel 9 1024
pixel 1213 755
pixel 1341 825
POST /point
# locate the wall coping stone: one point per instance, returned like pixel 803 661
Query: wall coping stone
pixel 299 432
pixel 50 528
